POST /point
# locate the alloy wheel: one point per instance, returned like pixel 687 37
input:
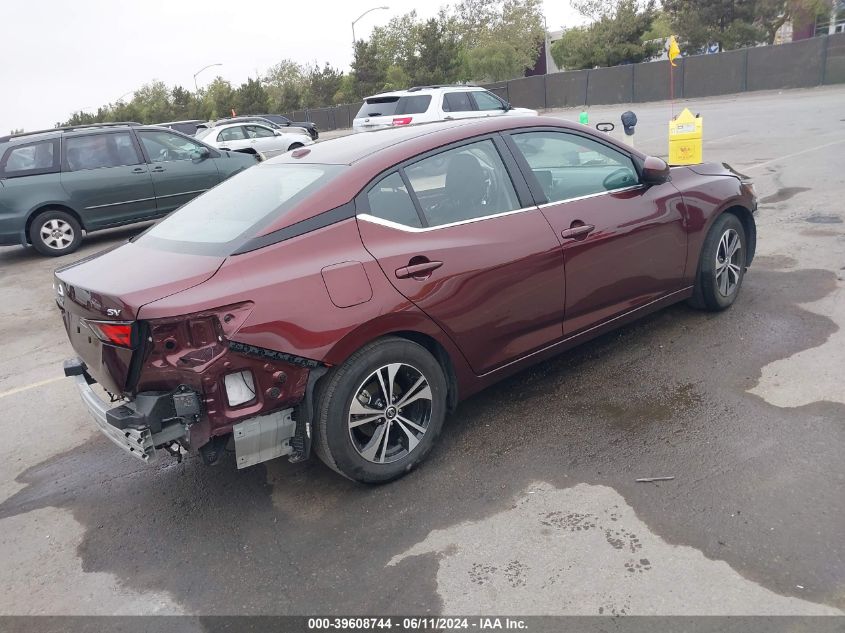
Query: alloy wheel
pixel 390 413
pixel 56 234
pixel 728 262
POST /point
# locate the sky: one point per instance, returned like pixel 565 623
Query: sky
pixel 63 56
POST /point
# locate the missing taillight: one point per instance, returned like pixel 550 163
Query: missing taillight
pixel 112 332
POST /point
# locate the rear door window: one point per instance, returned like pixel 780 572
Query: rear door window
pixel 457 102
pixel 464 183
pixel 390 200
pixel 98 151
pixel 232 134
pixel 41 157
pixel 256 131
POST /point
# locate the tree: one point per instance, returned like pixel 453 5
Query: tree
pixel 728 24
pixel 321 85
pixel 616 37
pixel 285 84
pixel 219 98
pixel 369 75
pixel 251 98
pixel 182 104
pixel 437 55
pixel 773 14
pixel 512 31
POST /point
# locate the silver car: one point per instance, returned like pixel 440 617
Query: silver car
pixel 253 138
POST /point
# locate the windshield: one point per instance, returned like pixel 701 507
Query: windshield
pixel 220 220
pixel 203 132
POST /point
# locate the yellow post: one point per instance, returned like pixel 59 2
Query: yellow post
pixel 685 139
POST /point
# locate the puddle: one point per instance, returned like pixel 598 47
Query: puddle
pixel 783 194
pixel 820 218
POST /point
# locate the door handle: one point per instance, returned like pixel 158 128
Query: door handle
pixel 577 232
pixel 139 170
pixel 421 270
pixel 158 169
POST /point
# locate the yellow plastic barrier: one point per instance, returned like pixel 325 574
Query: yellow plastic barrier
pixel 685 139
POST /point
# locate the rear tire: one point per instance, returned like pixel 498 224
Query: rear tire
pixel 379 413
pixel 294 146
pixel 721 266
pixel 54 233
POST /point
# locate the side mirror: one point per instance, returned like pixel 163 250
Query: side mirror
pixel 655 171
pixel 277 133
pixel 200 154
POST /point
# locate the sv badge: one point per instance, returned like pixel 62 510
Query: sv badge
pixel 113 312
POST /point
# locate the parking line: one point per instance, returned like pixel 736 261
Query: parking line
pixel 12 392
pixel 793 155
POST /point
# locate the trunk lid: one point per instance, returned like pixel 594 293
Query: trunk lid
pixel 113 286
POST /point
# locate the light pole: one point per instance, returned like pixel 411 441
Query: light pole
pixel 196 89
pixel 361 16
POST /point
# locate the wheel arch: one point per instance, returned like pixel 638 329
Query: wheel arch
pixel 746 217
pixel 47 207
pixel 415 326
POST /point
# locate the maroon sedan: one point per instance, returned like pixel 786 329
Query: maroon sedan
pixel 346 296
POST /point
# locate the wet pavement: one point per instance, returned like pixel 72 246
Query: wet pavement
pixel 528 505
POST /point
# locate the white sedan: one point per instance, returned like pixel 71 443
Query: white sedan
pixel 253 138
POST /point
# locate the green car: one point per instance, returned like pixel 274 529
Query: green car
pixel 55 184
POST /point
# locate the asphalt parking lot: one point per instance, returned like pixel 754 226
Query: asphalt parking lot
pixel 528 505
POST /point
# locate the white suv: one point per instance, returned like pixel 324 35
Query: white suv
pixel 430 103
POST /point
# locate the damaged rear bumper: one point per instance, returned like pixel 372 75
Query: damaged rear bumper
pixel 156 419
pixel 138 440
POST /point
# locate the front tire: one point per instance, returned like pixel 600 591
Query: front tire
pixel 379 413
pixel 55 233
pixel 721 267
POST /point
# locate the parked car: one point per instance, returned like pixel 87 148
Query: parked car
pixel 188 127
pixel 424 104
pixel 55 184
pixel 283 121
pixel 263 121
pixel 347 295
pixel 253 137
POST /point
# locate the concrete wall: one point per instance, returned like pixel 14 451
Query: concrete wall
pixel 812 62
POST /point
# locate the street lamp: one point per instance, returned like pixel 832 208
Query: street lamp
pixel 361 16
pixel 196 89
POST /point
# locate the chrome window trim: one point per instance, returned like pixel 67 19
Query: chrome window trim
pixel 591 195
pixel 413 229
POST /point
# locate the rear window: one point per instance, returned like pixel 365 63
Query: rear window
pixel 223 218
pixel 40 157
pixel 390 106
